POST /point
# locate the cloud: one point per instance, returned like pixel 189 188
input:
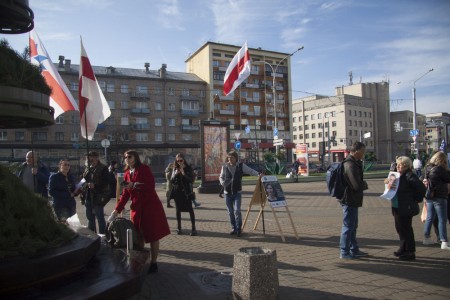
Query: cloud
pixel 169 14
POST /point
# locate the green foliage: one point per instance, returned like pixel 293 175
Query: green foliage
pixel 27 222
pixel 272 167
pixel 17 71
pixel 370 156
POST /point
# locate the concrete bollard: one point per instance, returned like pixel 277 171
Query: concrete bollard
pixel 255 274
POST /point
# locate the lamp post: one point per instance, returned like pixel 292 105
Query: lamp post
pixel 414 108
pixel 274 70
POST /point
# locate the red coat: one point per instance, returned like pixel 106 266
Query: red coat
pixel 147 212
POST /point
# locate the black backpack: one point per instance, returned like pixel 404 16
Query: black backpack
pixel 336 182
pixel 116 232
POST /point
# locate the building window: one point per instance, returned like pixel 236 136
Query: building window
pixel 350 112
pixel 111 104
pixel 171 91
pixel 141 90
pixel 350 132
pixel 59 136
pixel 74 137
pixel 171 137
pixel 307 136
pixel 350 122
pixel 333 124
pixel 141 105
pixel 74 86
pixel 20 136
pixel 124 89
pixel 313 126
pixel 185 92
pixel 171 122
pixel 300 136
pixel 124 121
pixel 313 135
pixel 313 117
pixel 40 136
pixel 158 90
pixel 59 120
pixel 217 54
pixel 186 137
pixel 300 127
pixel 3 135
pixel 141 137
pixel 300 119
pixel 216 63
pixel 306 118
pixel 158 122
pixel 171 107
pixel 102 85
pixel 158 137
pixel 110 121
pixel 158 106
pixel 124 104
pixel 110 88
pixel 306 127
pixel 314 144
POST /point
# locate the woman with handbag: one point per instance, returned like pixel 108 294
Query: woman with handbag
pixel 405 205
pixel 438 176
pixel 182 192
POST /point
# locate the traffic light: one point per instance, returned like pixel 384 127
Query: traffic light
pixel 397 127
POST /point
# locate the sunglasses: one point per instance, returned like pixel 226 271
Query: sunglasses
pixel 129 156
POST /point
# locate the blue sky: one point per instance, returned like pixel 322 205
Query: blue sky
pixel 377 40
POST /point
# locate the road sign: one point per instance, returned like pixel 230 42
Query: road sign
pixel 414 132
pixel 275 132
pixel 247 129
pixel 277 140
pixel 105 143
pixel 237 145
pixel 278 143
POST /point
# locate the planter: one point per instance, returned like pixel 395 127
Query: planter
pixel 21 108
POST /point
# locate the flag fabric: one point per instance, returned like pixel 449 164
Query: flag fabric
pixel 60 99
pixel 237 71
pixel 94 108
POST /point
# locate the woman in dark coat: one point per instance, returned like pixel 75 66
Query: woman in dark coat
pixel 405 205
pixel 61 188
pixel 182 178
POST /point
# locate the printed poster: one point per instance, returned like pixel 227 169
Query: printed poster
pixel 391 185
pixel 274 192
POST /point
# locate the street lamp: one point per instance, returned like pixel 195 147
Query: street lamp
pixel 274 70
pixel 414 107
pixel 327 115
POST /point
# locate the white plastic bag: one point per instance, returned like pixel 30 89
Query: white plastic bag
pixel 74 221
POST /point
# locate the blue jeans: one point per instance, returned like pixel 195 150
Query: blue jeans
pixel 95 211
pixel 437 207
pixel 348 233
pixel 234 210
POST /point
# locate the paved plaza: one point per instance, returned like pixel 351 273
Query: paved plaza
pixel 201 267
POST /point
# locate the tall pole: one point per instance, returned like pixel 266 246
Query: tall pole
pixel 414 110
pixel 329 146
pixel 323 141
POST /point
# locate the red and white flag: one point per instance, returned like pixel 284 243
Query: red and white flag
pixel 60 99
pixel 237 71
pixel 94 108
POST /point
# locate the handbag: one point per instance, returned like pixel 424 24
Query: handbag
pixel 423 216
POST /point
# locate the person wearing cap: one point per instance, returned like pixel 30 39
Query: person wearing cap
pixel 97 192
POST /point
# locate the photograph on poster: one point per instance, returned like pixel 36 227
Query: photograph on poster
pixel 391 185
pixel 274 192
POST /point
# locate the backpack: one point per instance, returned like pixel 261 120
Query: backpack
pixel 116 232
pixel 336 182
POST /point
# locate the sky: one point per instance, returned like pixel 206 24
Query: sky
pixel 383 40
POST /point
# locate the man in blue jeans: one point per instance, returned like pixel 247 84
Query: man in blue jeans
pixel 231 180
pixel 352 200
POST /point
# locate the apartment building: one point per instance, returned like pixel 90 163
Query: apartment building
pixel 252 108
pixel 329 125
pixel 156 112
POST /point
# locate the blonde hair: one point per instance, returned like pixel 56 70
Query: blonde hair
pixel 404 161
pixel 439 159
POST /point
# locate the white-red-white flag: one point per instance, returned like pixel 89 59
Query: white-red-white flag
pixel 237 71
pixel 94 108
pixel 60 99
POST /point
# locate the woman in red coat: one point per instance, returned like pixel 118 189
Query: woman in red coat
pixel 147 213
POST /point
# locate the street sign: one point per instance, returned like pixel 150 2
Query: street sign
pixel 105 143
pixel 247 129
pixel 277 140
pixel 414 132
pixel 237 145
pixel 278 143
pixel 275 132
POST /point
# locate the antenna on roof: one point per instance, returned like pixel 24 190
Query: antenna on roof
pixel 350 74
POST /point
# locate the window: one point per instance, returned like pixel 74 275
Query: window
pixel 189 105
pixel 360 114
pixel 217 54
pixel 185 92
pixel 158 122
pixel 171 91
pixel 306 118
pixel 59 120
pixel 300 127
pixel 314 144
pixel 360 123
pixel 124 104
pixel 185 122
pixel 350 122
pixel 141 137
pixel 171 122
pixel 307 127
pixel 141 90
pixel 141 121
pixel 313 126
pixel 40 136
pixel 295 136
pixel 320 134
pixel 171 107
pixel 20 136
pixel 313 135
pixel 124 89
pixel 365 114
pixel 186 137
pixel 74 137
pixel 333 124
pixel 158 90
pixel 158 137
pixel 111 104
pixel 293 119
pixel 3 135
pixel 171 137
pixel 319 116
pixel 313 117
pixel 141 105
pixel 158 106
pixel 110 88
pixel 74 86
pixel 307 136
pixel 124 121
pixel 300 136
pixel 102 85
pixel 350 132
pixel 59 136
pixel 216 63
pixel 256 96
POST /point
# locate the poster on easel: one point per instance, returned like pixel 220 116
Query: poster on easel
pixel 274 192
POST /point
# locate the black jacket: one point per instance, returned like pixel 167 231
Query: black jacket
pixel 439 178
pixel 353 174
pixel 409 193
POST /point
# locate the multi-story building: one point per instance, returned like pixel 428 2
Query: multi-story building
pixel 252 108
pixel 156 112
pixel 329 125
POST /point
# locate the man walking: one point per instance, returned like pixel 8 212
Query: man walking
pixel 352 200
pixel 231 180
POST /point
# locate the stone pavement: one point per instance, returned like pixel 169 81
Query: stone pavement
pixel 200 267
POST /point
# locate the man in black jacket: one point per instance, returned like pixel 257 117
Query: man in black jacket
pixel 352 200
pixel 34 174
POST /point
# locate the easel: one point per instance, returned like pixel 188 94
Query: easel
pixel 259 197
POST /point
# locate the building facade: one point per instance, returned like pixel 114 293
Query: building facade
pixel 156 112
pixel 252 108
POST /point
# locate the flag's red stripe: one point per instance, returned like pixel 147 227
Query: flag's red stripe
pixel 58 94
pixel 87 68
pixel 234 74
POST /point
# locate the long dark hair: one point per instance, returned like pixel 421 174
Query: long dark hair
pixel 180 155
pixel 137 160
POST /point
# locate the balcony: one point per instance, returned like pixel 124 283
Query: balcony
pixel 139 96
pixel 189 113
pixel 252 85
pixel 188 98
pixel 226 112
pixel 140 110
pixel 143 126
pixel 190 127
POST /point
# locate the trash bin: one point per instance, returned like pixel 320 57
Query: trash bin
pixel 255 274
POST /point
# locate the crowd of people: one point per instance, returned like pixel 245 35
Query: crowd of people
pixel 98 184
